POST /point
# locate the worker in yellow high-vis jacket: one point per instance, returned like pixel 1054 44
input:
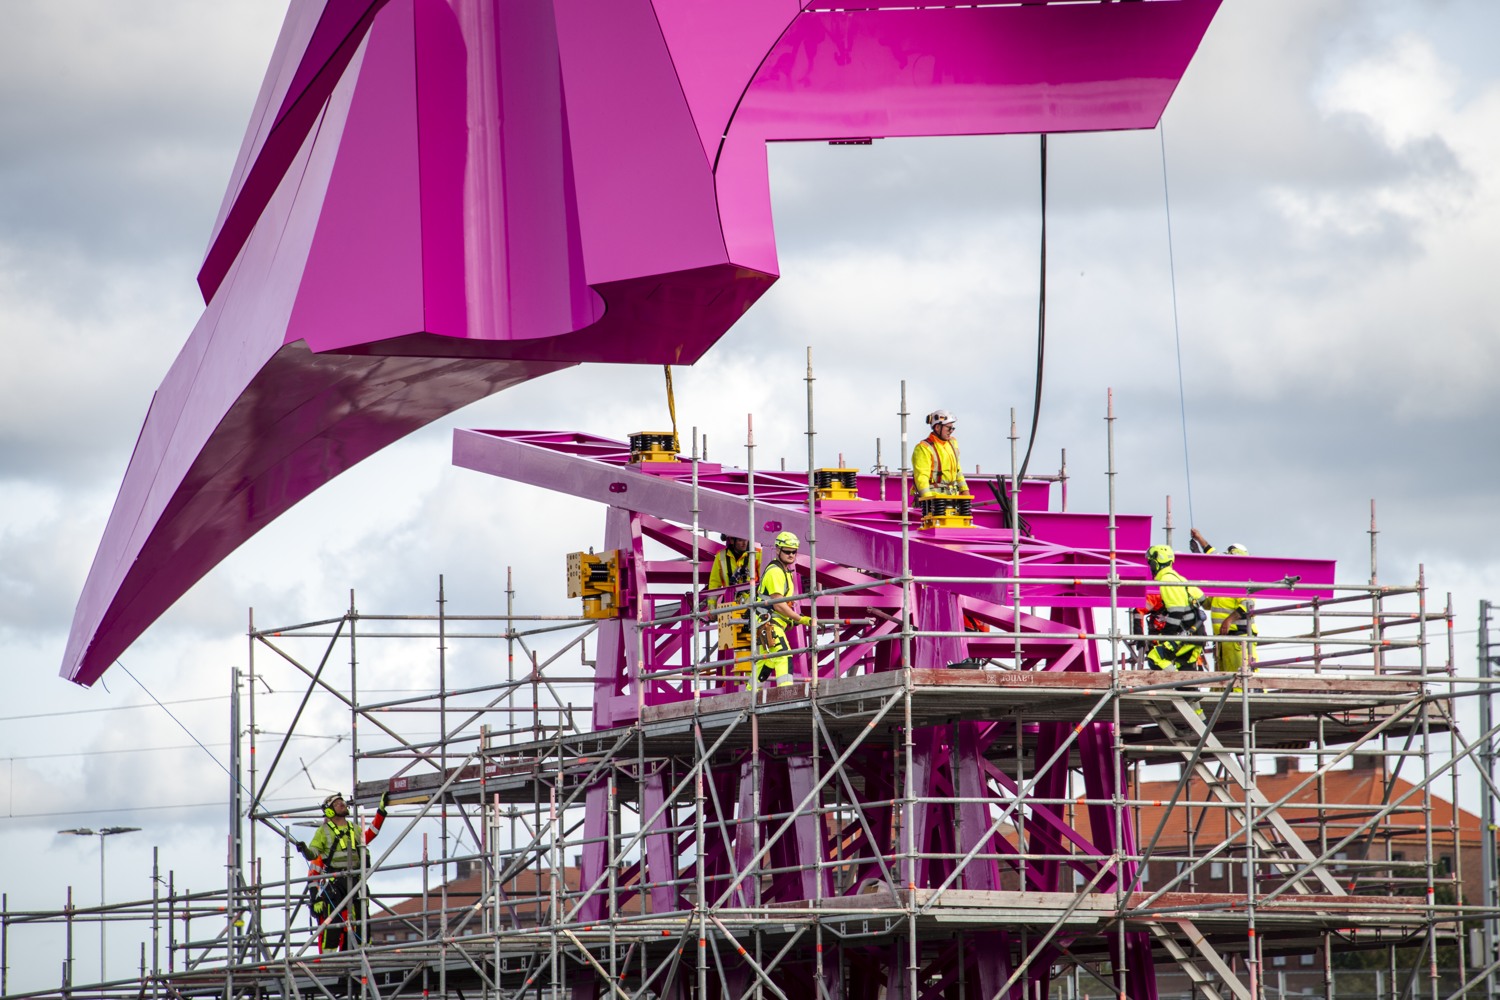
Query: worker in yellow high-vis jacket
pixel 733 566
pixel 339 860
pixel 777 584
pixel 934 460
pixel 1181 611
pixel 1231 617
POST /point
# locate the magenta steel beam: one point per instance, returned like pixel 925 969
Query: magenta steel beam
pixel 867 532
pixel 437 199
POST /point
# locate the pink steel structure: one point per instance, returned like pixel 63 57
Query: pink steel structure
pixel 648 666
pixel 437 199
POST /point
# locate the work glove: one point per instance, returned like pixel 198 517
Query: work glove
pixel 302 849
pixel 319 905
pixel 385 800
pixel 804 620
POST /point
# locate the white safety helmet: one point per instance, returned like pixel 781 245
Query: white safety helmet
pixel 1236 549
pixel 940 417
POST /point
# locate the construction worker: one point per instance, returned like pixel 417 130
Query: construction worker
pixel 338 856
pixel 934 460
pixel 1230 616
pixel 1181 614
pixel 779 581
pixel 732 567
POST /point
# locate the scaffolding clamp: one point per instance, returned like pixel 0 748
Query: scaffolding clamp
pixel 596 579
pixel 653 446
pixel 836 484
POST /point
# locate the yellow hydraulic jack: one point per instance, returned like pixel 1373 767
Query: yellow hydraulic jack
pixel 653 446
pixel 658 446
pixel 734 640
pixel 596 579
pixel 836 484
pixel 947 510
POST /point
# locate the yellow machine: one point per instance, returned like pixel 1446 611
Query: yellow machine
pixel 734 638
pixel 653 446
pixel 836 484
pixel 947 510
pixel 596 579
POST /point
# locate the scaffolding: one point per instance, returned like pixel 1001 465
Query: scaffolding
pixel 973 788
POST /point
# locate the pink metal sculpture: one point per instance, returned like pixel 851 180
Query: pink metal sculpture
pixel 647 668
pixel 437 199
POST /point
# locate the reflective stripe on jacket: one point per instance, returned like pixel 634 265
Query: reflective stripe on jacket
pixel 934 462
pixel 1179 601
pixel 1220 608
pixel 776 584
pixel 335 848
pixel 728 571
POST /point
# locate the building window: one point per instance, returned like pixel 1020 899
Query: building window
pixel 1306 959
pixel 1216 869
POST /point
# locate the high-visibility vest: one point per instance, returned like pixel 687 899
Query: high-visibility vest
pixel 727 571
pixel 1220 608
pixel 339 848
pixel 1180 602
pixel 776 584
pixel 934 461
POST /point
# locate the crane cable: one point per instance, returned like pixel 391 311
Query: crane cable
pixel 1041 332
pixel 672 408
pixel 1187 467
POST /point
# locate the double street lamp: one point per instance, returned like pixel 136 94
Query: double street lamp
pixel 108 831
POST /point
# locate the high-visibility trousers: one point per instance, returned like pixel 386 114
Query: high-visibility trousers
pixel 775 669
pixel 1168 655
pixel 1230 655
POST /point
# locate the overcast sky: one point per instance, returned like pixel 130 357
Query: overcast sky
pixel 1334 184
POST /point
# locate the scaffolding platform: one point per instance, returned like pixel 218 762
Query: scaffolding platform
pixel 1286 713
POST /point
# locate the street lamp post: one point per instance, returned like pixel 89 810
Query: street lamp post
pixel 101 833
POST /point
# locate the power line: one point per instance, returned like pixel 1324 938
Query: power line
pixel 1187 468
pixel 174 718
pixel 110 708
pixel 120 809
pixel 101 753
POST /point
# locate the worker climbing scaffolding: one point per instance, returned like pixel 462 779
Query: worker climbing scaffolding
pixel 339 865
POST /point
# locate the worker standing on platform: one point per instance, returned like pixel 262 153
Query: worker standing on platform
pixel 339 859
pixel 1230 616
pixel 779 581
pixel 1181 613
pixel 934 460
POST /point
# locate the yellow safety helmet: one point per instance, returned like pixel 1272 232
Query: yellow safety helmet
pixel 1160 555
pixel 787 540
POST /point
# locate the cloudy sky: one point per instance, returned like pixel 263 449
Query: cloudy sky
pixel 1333 169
